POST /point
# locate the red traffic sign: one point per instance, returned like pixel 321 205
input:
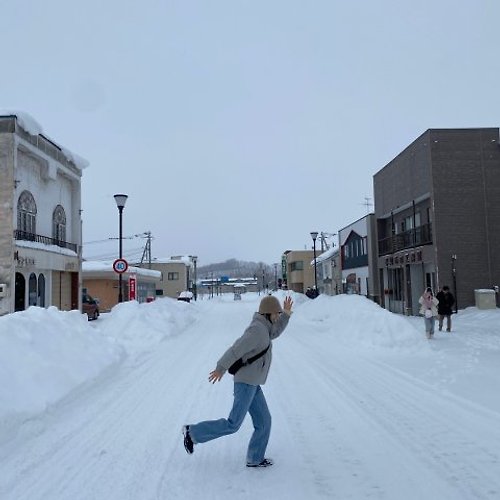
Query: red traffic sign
pixel 120 266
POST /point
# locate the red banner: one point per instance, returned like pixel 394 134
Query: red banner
pixel 132 287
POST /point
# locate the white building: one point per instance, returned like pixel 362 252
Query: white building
pixel 40 221
pixel 329 272
pixel 358 250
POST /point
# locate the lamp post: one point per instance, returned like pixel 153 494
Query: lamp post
pixel 276 276
pixel 195 293
pixel 314 235
pixel 120 199
pixel 454 276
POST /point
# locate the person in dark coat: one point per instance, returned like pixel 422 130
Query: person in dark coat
pixel 445 307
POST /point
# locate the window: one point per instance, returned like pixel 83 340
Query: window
pixel 59 224
pixel 417 220
pixel 297 265
pixel 41 290
pixel 32 291
pixel 26 213
pixel 173 276
pixel 409 222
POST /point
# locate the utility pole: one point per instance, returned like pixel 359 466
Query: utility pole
pixel 146 254
pixel 368 204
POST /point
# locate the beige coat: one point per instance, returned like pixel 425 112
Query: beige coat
pixel 434 310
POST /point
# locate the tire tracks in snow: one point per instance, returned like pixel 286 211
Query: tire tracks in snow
pixel 104 443
pixel 450 442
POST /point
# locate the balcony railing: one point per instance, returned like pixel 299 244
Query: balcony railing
pixel 26 236
pixel 421 235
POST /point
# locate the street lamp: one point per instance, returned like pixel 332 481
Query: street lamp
pixel 314 235
pixel 120 199
pixel 276 276
pixel 195 258
pixel 454 276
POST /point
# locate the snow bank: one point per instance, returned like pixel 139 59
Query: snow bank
pixel 47 353
pixel 44 354
pixel 358 322
pixel 140 327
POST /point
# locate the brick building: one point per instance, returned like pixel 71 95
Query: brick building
pixel 437 206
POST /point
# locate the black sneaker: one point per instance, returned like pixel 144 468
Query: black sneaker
pixel 265 463
pixel 188 442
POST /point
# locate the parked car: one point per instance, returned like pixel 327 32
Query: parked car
pixel 185 296
pixel 90 306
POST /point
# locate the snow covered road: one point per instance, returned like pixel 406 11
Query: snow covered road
pixel 347 423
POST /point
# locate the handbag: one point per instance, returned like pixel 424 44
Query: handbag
pixel 239 363
pixel 428 313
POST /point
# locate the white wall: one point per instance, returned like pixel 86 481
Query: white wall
pixel 51 184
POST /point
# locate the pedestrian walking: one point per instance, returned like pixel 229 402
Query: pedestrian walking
pixel 429 311
pixel 445 307
pixel 446 303
pixel 249 358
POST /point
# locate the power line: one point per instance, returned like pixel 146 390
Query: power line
pixel 111 238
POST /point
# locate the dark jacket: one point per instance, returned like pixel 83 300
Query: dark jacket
pixel 446 302
pixel 255 339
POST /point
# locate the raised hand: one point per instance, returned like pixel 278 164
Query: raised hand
pixel 287 305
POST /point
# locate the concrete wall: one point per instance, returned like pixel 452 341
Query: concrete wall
pixel 6 220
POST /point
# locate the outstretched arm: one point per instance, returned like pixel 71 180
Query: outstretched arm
pixel 287 305
pixel 215 376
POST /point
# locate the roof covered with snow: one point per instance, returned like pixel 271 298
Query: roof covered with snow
pixel 103 267
pixel 33 127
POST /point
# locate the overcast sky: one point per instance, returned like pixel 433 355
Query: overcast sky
pixel 238 127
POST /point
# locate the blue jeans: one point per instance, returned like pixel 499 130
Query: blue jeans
pixel 247 398
pixel 429 325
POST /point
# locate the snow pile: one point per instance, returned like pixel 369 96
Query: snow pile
pixel 140 327
pixel 44 354
pixel 357 322
pixel 47 353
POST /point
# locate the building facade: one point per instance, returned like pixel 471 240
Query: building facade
pixel 358 255
pixel 101 282
pixel 40 221
pixel 177 275
pixel 298 273
pixel 437 206
pixel 329 272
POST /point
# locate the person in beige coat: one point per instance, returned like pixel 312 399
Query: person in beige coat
pixel 429 311
pixel 254 348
